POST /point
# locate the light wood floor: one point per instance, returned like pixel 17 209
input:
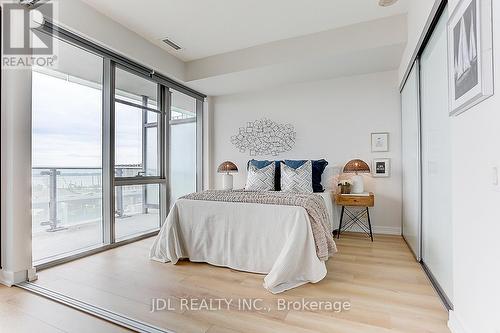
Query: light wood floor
pixel 24 312
pixel 387 289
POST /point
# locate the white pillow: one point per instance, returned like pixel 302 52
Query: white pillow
pixel 260 179
pixel 296 180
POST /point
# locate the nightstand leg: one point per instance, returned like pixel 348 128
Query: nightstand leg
pixel 340 224
pixel 369 223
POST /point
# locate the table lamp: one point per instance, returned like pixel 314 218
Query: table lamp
pixel 227 168
pixel 357 166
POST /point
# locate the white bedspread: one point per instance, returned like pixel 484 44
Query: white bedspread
pixel 268 239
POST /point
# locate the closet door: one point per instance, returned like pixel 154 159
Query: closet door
pixel 410 125
pixel 436 160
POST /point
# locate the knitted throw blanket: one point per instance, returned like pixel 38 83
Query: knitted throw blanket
pixel 312 203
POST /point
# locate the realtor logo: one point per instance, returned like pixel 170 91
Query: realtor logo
pixel 23 43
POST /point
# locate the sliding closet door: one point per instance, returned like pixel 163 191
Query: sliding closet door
pixel 436 160
pixel 410 124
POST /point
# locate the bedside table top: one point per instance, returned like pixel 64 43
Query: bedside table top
pixel 355 200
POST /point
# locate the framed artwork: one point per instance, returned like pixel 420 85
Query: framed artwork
pixel 380 142
pixel 470 55
pixel 381 167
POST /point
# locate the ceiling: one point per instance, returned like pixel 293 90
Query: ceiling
pixel 209 27
pixel 348 64
pixel 367 47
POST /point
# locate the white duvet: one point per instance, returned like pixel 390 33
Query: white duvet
pixel 267 239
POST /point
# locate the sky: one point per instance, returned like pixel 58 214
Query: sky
pixel 67 130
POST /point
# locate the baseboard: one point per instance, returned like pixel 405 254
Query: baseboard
pixel 387 230
pixel 2 278
pixel 377 230
pixel 454 324
pixel 10 278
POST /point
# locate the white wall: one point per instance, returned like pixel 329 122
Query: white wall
pixel 475 208
pixel 333 120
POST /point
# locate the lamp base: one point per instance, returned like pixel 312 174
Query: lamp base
pixel 227 181
pixel 357 184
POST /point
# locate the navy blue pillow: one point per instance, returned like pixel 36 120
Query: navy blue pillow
pixel 318 167
pixel 277 170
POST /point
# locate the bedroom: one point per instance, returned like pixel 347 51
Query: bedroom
pixel 148 102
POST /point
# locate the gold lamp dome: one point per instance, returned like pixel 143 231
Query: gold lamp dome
pixel 227 167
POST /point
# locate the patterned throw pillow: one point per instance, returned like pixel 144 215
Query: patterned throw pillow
pixel 297 180
pixel 260 179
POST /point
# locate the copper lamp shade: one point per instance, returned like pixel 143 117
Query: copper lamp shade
pixel 227 167
pixel 355 166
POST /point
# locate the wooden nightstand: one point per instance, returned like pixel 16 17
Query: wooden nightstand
pixel 355 218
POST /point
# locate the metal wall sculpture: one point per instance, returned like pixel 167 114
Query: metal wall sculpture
pixel 264 137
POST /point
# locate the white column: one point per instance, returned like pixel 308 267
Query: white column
pixel 16 176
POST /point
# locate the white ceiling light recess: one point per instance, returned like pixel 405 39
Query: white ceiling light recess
pixel 386 3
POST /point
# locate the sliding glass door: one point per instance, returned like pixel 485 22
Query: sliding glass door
pixel 436 160
pixel 410 134
pixel 114 144
pixel 427 223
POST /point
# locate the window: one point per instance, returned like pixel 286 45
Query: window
pixel 183 106
pixel 103 141
pixel 138 143
pixel 136 124
pixel 137 210
pixel 66 154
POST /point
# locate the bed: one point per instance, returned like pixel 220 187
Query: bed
pixel 276 240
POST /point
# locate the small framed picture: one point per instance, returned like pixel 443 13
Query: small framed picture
pixel 380 142
pixel 381 167
pixel 470 55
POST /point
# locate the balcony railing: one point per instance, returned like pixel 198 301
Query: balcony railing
pixel 65 196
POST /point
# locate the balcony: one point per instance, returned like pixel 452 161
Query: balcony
pixel 67 210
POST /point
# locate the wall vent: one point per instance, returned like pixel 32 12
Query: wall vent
pixel 171 44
